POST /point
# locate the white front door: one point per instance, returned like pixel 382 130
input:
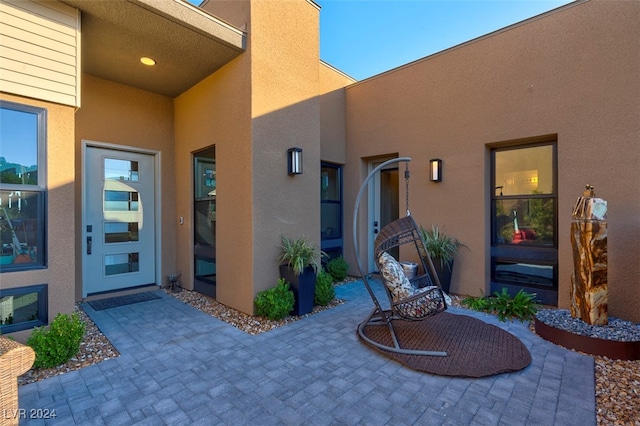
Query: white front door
pixel 119 215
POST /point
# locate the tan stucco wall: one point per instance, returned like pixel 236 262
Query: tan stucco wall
pixel 253 110
pixel 59 274
pixel 574 74
pixel 284 38
pixel 217 112
pixel 332 113
pixel 116 114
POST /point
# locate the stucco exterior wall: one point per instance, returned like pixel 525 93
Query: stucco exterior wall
pixel 571 73
pixel 59 273
pixel 332 113
pixel 284 42
pixel 217 112
pixel 116 114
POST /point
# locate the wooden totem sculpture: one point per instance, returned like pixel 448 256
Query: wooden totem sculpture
pixel 589 242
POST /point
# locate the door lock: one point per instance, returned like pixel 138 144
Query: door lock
pixel 89 245
pixel 375 227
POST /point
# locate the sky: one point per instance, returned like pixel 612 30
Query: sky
pixel 363 38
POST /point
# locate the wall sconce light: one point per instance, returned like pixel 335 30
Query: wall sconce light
pixel 294 161
pixel 435 170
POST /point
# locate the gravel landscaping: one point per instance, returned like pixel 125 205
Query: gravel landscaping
pixel 617 382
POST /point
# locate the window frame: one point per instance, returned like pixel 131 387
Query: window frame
pixel 43 307
pixel 333 245
pixel 40 187
pixel 517 253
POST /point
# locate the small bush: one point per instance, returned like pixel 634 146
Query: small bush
pixel 338 268
pixel 324 289
pixel 522 306
pixel 275 303
pixel 59 343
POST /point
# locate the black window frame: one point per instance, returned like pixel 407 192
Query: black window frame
pixel 334 247
pixel 40 189
pixel 43 307
pixel 527 254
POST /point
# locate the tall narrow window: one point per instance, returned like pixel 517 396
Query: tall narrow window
pixel 22 187
pixel 331 209
pixel 524 225
pixel 205 192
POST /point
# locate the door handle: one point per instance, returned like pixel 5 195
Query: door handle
pixel 89 245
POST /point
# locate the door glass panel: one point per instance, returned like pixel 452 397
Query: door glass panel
pixel 204 206
pixel 120 232
pixel 122 263
pixel 524 171
pixel 124 170
pixel 118 201
pixel 330 217
pixel 525 221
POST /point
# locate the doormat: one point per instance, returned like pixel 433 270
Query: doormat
pixel 130 299
pixel 474 348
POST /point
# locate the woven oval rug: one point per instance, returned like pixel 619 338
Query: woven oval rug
pixel 474 348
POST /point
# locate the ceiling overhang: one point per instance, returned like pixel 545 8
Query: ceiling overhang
pixel 187 43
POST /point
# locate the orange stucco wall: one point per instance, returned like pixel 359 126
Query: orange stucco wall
pixel 572 73
pixel 59 273
pixel 121 115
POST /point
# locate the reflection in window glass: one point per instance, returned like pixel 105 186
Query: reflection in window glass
pixel 120 232
pixel 23 308
pixel 524 171
pixel 123 170
pixel 122 263
pixel 19 147
pixel 330 184
pixel 524 273
pixel 117 201
pixel 331 221
pixel 525 221
pixel 21 225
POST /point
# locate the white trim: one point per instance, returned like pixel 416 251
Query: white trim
pixel 158 201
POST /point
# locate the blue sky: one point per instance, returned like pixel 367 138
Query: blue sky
pixel 366 37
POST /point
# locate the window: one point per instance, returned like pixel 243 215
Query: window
pixel 331 209
pixel 204 203
pixel 22 187
pixel 23 308
pixel 524 220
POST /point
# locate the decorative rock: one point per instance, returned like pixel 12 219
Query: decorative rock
pixel 589 285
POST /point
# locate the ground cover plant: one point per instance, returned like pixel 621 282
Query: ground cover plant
pixel 522 306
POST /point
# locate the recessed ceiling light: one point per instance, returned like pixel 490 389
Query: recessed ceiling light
pixel 147 61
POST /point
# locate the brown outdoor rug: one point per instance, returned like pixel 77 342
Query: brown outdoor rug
pixel 475 348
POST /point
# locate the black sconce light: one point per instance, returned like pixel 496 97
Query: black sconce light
pixel 435 170
pixel 294 161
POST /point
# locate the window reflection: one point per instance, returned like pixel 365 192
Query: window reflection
pixel 123 170
pixel 117 201
pixel 525 221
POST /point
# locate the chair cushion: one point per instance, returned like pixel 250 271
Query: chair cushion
pixel 394 277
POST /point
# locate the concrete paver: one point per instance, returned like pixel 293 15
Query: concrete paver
pixel 181 366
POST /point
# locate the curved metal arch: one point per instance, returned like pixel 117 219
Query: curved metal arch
pixel 379 316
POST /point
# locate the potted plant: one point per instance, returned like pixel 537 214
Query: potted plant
pixel 442 248
pixel 299 262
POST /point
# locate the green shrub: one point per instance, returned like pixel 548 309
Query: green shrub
pixel 59 343
pixel 338 268
pixel 522 306
pixel 324 289
pixel 275 303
